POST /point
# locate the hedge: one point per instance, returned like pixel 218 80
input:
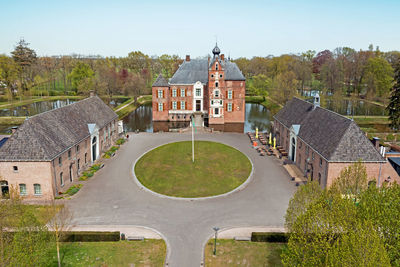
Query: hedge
pixel 90 236
pixel 270 237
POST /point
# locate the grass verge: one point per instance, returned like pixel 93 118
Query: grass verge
pixel 243 253
pixel 169 169
pixel 150 252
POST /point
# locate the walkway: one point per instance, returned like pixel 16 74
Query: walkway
pixel 112 198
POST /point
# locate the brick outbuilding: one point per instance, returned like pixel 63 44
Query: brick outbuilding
pixel 322 143
pixel 49 150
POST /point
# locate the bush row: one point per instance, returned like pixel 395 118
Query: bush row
pixel 90 236
pixel 270 237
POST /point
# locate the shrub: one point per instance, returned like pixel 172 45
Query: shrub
pixel 270 237
pixel 74 189
pixel 83 178
pixel 120 141
pixel 95 167
pixel 90 236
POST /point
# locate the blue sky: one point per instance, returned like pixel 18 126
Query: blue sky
pixel 243 28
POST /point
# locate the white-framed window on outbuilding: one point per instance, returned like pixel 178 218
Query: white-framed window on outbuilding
pixel 182 105
pixel 59 161
pixel 160 106
pixel 160 94
pixel 22 189
pixel 37 189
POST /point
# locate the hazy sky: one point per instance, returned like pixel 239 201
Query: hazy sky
pixel 243 28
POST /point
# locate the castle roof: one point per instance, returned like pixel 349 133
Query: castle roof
pixel 160 81
pixel 195 70
pixel 44 136
pixel 333 136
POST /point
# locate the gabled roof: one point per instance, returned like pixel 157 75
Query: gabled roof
pixel 44 136
pixel 160 81
pixel 335 137
pixel 195 70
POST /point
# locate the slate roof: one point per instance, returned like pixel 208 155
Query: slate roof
pixel 44 136
pixel 160 81
pixel 335 137
pixel 195 70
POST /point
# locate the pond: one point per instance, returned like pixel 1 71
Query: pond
pixel 43 106
pixel 357 107
pixel 256 116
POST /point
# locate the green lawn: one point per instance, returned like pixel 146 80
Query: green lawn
pixel 150 252
pixel 169 170
pixel 243 253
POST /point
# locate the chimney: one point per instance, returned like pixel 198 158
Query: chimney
pixel 187 57
pixel 222 57
pixel 375 142
pixel 14 129
pixel 316 101
pixel 91 93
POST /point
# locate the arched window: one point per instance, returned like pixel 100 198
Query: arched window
pixel 61 179
pixel 37 189
pixel 216 84
pixel 216 66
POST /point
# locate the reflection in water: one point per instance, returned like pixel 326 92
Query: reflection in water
pixel 139 119
pixel 43 106
pixel 257 116
pixel 355 107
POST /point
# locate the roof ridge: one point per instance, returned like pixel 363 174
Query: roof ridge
pixel 324 108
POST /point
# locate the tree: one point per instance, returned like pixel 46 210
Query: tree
pixel 394 105
pixel 25 57
pixel 381 206
pixel 378 76
pixel 8 74
pixel 81 77
pixel 59 224
pixel 259 85
pixel 319 60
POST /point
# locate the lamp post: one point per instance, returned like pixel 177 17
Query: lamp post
pixel 215 240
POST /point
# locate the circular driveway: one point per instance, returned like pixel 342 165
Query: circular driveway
pixel 112 198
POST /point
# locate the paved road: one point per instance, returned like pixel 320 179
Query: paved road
pixel 113 198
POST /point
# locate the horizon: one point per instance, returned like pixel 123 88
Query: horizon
pixel 180 28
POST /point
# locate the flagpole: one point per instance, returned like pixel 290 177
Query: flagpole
pixel 192 140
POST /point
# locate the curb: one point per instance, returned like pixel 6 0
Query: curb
pixel 239 188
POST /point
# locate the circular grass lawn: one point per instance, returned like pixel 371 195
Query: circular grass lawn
pixel 169 169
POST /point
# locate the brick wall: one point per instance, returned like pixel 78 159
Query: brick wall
pixel 29 173
pixel 160 115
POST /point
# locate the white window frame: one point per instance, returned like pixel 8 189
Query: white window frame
pixel 198 92
pixel 160 106
pixel 183 92
pixel 160 93
pixel 230 94
pixel 174 105
pixel 22 192
pixel 35 191
pixel 183 106
pixel 229 107
pixel 173 92
pixel 216 93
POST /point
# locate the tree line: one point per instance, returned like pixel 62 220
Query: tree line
pixel 24 73
pixel 343 71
